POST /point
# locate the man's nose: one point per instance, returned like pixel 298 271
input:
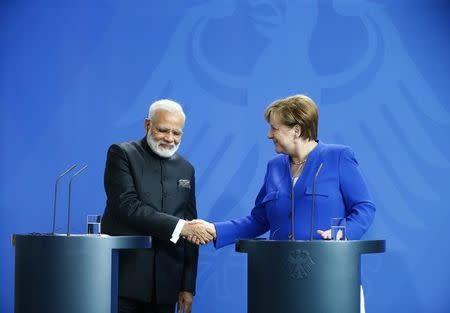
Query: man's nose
pixel 269 134
pixel 169 137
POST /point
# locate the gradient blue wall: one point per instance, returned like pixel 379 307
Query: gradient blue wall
pixel 77 76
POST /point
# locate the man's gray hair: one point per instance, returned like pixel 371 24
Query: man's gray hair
pixel 165 105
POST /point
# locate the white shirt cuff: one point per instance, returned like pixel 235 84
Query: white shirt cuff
pixel 177 231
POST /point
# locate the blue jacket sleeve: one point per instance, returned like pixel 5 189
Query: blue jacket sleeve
pixel 358 203
pixel 246 227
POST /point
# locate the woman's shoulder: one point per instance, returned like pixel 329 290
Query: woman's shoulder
pixel 336 152
pixel 334 148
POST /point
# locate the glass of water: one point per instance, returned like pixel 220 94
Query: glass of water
pixel 94 224
pixel 338 229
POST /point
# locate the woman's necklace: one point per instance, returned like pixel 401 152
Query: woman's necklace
pixel 298 163
pixel 300 166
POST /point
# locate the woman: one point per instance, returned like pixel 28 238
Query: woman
pixel 305 166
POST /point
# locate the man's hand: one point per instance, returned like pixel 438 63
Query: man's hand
pixel 210 228
pixel 185 299
pixel 198 231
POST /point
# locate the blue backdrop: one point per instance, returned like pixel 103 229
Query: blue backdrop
pixel 76 76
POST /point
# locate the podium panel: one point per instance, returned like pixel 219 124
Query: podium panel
pixel 69 274
pixel 305 276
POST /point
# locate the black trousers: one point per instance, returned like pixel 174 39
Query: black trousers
pixel 127 305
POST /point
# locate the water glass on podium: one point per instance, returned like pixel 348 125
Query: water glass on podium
pixel 338 229
pixel 94 224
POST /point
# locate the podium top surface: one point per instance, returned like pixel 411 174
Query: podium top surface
pixel 357 246
pixel 112 242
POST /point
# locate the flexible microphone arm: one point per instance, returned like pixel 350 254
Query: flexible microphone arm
pixel 312 202
pixel 292 234
pixel 70 194
pixel 56 193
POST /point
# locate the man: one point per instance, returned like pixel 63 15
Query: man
pixel 151 191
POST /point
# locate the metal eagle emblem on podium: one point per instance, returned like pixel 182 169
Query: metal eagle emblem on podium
pixel 299 264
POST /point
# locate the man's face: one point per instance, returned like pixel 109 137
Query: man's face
pixel 164 132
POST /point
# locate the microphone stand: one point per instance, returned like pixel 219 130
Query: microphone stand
pixel 56 193
pixel 70 194
pixel 312 202
pixel 292 234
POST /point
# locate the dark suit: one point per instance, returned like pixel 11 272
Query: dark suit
pixel 147 195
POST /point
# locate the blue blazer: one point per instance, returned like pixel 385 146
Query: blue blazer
pixel 340 191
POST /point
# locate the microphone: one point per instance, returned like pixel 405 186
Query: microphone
pixel 312 202
pixel 56 193
pixel 70 194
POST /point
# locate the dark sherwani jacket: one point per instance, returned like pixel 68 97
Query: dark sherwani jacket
pixel 147 195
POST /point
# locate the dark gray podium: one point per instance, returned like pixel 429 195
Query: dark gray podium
pixel 305 276
pixel 69 274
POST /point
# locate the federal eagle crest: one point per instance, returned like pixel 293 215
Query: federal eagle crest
pixel 299 264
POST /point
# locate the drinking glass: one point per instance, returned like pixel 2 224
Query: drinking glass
pixel 338 229
pixel 94 224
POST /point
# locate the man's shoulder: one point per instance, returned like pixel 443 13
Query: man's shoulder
pixel 132 149
pixel 128 145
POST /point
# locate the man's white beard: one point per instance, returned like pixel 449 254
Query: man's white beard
pixel 162 152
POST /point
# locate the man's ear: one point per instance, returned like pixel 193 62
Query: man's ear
pixel 147 125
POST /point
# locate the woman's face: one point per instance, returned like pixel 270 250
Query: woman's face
pixel 283 136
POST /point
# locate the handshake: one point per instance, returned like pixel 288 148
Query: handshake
pixel 198 231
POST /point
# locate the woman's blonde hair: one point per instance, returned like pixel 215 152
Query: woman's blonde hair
pixel 296 110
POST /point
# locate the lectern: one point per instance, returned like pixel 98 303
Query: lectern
pixel 305 276
pixel 69 274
